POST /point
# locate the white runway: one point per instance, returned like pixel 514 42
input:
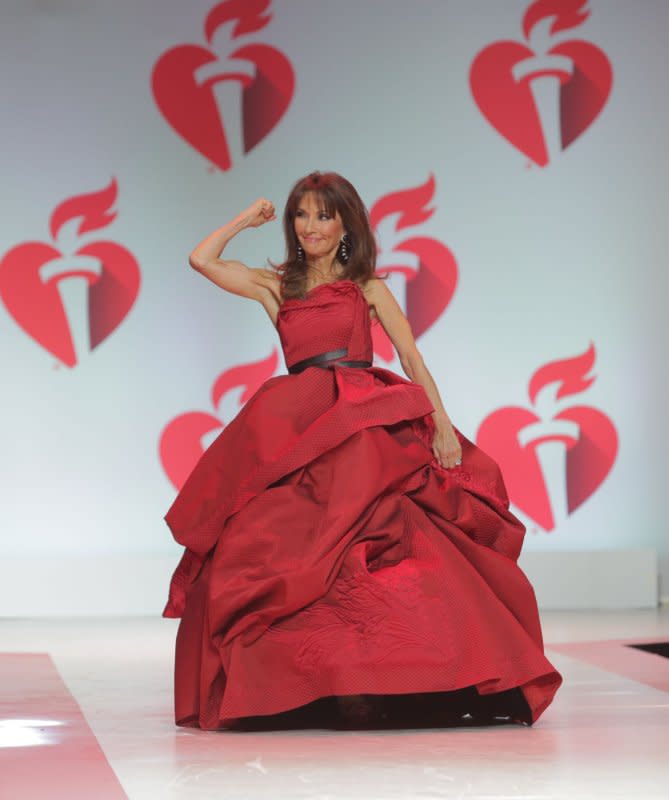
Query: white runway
pixel 606 735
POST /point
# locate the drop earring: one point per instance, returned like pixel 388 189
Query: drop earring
pixel 300 253
pixel 344 252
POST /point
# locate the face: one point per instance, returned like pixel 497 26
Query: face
pixel 317 232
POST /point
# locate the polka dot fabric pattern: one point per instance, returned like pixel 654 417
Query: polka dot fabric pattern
pixel 328 553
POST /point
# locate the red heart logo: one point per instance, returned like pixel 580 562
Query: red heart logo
pixel 590 459
pixel 525 484
pixel 513 435
pixel 30 274
pixel 431 270
pixel 181 443
pixel 188 102
pixel 504 75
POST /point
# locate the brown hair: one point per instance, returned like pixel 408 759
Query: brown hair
pixel 337 196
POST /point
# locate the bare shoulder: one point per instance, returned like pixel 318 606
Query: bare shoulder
pixel 374 288
pixel 379 296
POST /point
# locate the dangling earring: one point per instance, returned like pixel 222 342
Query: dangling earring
pixel 300 253
pixel 344 252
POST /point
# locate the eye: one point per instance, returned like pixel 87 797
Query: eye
pixel 325 215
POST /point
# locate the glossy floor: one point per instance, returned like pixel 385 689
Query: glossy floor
pixel 93 718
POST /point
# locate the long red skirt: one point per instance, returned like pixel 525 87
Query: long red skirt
pixel 329 554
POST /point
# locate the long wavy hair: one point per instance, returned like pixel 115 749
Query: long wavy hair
pixel 338 196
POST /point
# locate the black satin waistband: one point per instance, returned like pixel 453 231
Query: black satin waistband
pixel 327 360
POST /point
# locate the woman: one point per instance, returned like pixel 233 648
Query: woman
pixel 347 548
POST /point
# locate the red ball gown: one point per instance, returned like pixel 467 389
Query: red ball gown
pixel 328 553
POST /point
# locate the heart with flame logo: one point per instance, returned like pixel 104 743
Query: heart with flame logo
pixel 184 79
pixel 512 436
pixel 502 76
pixel 429 267
pixel 30 274
pixel 182 440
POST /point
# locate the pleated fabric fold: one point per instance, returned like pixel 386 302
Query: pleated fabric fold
pixel 328 553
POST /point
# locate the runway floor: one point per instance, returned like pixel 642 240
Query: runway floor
pixel 86 712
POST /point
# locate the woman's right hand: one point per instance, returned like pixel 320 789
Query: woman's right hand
pixel 259 213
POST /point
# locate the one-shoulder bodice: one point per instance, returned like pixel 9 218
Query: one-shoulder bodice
pixel 331 316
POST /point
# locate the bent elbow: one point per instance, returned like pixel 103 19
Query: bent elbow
pixel 196 262
pixel 412 363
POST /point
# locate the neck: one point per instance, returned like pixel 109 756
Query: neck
pixel 325 267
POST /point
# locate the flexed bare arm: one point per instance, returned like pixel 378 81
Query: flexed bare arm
pixel 234 276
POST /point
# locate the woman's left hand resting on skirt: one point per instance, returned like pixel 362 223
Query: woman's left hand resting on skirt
pixel 446 446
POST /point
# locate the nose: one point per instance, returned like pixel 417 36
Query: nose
pixel 309 224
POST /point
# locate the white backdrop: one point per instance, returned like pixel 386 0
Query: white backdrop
pixel 550 259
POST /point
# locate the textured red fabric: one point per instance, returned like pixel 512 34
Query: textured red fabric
pixel 328 553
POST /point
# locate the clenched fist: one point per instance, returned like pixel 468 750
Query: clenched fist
pixel 259 213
